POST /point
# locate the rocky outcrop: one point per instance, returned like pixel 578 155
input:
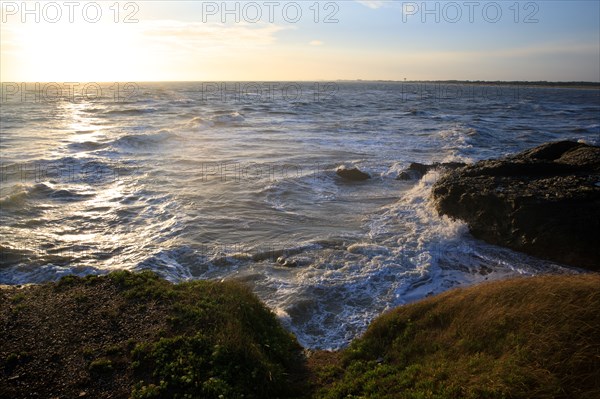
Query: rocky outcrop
pixel 353 174
pixel 417 170
pixel 544 202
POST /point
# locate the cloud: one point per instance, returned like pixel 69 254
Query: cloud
pixel 195 35
pixel 316 43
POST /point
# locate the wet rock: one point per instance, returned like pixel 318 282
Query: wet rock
pixel 543 201
pixel 353 174
pixel 404 175
pixel 286 262
pixel 268 255
pixel 367 249
pixel 416 170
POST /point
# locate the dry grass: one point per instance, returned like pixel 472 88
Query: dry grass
pixel 525 338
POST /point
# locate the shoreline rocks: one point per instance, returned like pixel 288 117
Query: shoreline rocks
pixel 544 201
pixel 353 174
pixel 416 170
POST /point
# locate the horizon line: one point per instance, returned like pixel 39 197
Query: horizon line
pixel 585 82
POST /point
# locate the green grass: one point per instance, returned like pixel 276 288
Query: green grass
pixel 220 340
pixel 197 339
pixel 127 335
pixel 525 338
pixel 101 366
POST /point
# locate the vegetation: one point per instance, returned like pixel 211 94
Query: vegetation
pixel 135 336
pixel 525 338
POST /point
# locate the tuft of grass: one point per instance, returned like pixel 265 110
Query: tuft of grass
pixel 101 366
pixel 18 298
pixel 142 286
pixel 530 337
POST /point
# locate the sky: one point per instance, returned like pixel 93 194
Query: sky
pixel 271 40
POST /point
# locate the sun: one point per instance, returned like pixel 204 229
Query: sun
pixel 72 52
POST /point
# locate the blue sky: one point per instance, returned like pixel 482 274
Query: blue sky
pixel 196 40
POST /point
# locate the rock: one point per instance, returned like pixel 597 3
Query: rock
pixel 416 170
pixel 353 174
pixel 420 168
pixel 404 175
pixel 451 165
pixel 286 262
pixel 543 201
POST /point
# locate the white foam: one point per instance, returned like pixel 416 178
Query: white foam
pixel 413 253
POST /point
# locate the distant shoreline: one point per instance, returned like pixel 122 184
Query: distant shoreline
pixel 541 84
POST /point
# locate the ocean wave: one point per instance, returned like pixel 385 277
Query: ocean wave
pixel 219 119
pixel 227 118
pixel 145 196
pixel 593 128
pixel 40 273
pixel 129 111
pixel 411 253
pixel 85 146
pixel 90 110
pixel 137 141
pixel 19 193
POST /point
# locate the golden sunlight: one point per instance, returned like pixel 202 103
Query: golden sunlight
pixel 74 52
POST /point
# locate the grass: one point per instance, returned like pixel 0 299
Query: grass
pixel 525 338
pixel 139 336
pixel 127 335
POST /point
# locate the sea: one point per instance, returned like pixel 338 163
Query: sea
pixel 236 180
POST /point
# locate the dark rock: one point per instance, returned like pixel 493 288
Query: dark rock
pixel 420 168
pixel 353 174
pixel 416 170
pixel 451 165
pixel 404 175
pixel 544 202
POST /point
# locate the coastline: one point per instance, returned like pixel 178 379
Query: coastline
pixel 544 201
pixel 126 335
pixel 526 84
pixel 136 335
